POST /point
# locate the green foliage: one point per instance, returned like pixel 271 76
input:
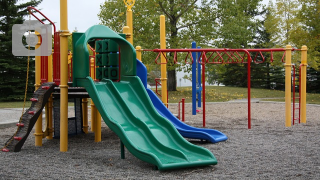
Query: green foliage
pixel 13 69
pixel 308 34
pixel 239 27
pixel 238 22
pixel 296 23
pixel 283 21
pixel 152 75
pixel 225 24
pixel 268 75
pixel 313 81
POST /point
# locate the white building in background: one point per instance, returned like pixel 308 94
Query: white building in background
pixel 184 82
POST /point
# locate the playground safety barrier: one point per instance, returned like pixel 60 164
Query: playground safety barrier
pixel 56 51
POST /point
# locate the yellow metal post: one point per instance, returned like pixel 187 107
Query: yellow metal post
pixel 85 114
pixel 303 85
pixel 50 122
pixel 50 68
pixel 288 85
pixel 97 132
pixel 64 33
pixel 129 24
pixel 96 118
pixel 138 51
pixel 97 125
pixel 93 116
pixel 38 126
pixel 50 101
pixel 163 78
pixel 126 31
pixel 93 107
pixel 129 4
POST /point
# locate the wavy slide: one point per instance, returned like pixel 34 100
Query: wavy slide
pixel 185 130
pixel 128 111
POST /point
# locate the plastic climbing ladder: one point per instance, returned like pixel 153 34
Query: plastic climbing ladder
pixel 29 118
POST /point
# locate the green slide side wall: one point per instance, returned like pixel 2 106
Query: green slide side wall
pixel 81 62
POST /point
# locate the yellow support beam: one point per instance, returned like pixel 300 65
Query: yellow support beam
pixel 64 33
pixel 50 101
pixel 288 85
pixel 129 18
pixel 93 107
pixel 97 132
pixel 164 92
pixel 138 51
pixel 126 31
pixel 85 114
pixel 303 85
pixel 129 24
pixel 38 126
pixel 95 115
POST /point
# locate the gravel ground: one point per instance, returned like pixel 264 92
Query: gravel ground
pixel 267 151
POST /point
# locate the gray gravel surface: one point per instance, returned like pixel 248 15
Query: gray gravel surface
pixel 267 151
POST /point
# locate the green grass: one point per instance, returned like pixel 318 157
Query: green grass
pixel 19 104
pixel 223 94
pixel 312 98
pixel 213 94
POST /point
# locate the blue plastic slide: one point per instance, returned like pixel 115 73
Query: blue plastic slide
pixel 185 130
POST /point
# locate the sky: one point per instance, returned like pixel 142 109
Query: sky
pixel 82 14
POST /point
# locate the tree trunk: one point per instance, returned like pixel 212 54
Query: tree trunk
pixel 172 82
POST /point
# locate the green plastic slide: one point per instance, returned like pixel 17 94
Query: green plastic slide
pixel 128 111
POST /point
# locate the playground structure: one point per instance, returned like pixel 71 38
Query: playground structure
pixel 120 96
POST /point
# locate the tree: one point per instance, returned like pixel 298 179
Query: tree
pixel 308 33
pixel 238 28
pixel 283 20
pixel 13 69
pixel 313 81
pixel 269 75
pixel 187 21
pixel 297 23
pixel 238 22
pixel 283 24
